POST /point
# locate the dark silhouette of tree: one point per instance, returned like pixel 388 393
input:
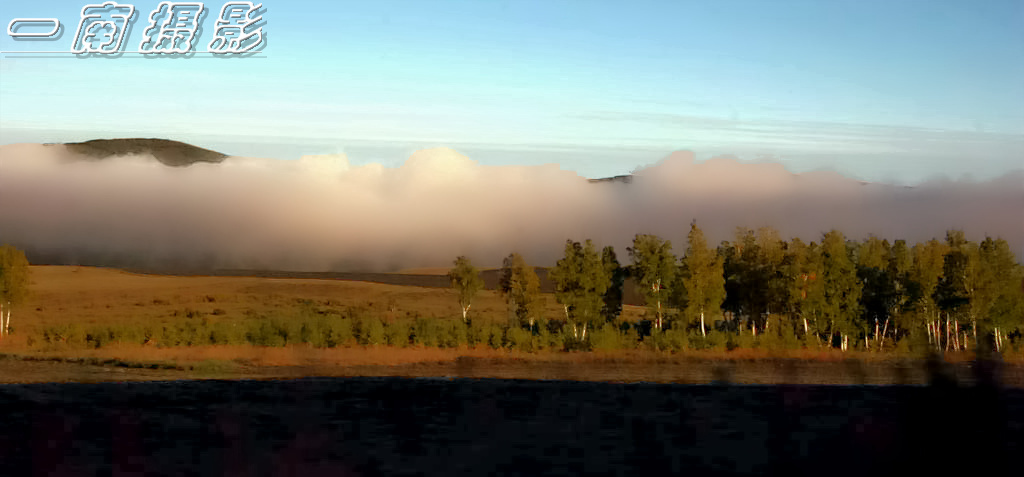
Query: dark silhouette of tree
pixel 612 300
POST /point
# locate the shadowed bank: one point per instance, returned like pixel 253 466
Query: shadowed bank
pixel 439 426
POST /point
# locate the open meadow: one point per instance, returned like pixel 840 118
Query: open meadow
pixel 138 315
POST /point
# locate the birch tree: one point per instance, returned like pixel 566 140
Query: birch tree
pixel 520 287
pixel 805 292
pixel 842 289
pixel 1005 311
pixel 581 280
pixel 966 286
pixel 900 265
pixel 466 281
pixel 13 283
pixel 873 271
pixel 703 278
pixel 654 268
pixel 925 273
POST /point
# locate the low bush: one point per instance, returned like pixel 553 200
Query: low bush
pixel 520 339
pixel 398 332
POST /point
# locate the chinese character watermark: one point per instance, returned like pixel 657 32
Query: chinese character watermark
pixel 103 28
pixel 234 32
pixel 173 28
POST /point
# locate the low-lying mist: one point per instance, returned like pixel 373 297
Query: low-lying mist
pixel 321 214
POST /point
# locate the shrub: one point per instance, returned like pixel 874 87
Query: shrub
pixel 520 339
pixel 266 332
pixel 314 330
pixel 653 340
pixel 477 332
pixel 97 336
pixel 715 341
pixel 549 334
pixel 397 333
pixel 225 334
pixel 370 331
pixel 676 339
pixel 67 334
pixel 630 336
pixel 495 336
pixel 745 339
pixel 341 333
pixel 606 338
pixel 425 332
pixel 452 333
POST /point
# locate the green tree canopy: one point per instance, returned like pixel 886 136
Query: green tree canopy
pixel 703 278
pixel 581 280
pixel 521 288
pixel 842 289
pixel 654 268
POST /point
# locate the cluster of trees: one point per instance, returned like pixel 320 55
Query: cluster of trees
pixel 950 295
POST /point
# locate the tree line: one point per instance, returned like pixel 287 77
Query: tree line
pixel 835 293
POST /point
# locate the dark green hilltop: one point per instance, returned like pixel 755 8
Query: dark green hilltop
pixel 169 153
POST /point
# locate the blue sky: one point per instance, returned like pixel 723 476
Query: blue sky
pixel 897 91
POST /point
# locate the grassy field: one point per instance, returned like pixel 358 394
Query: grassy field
pixel 92 297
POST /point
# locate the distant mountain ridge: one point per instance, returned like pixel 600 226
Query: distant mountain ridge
pixel 169 153
pixel 179 154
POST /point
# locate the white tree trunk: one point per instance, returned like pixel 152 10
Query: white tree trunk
pixel 465 310
pixel 702 332
pixel 805 326
pixel 584 337
pixel 956 332
pixel 1 318
pixel 753 329
pixel 659 314
pixel 884 329
pixel 947 332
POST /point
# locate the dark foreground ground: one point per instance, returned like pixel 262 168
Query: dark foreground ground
pixel 438 426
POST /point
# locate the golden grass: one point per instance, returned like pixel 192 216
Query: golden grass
pixel 97 296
